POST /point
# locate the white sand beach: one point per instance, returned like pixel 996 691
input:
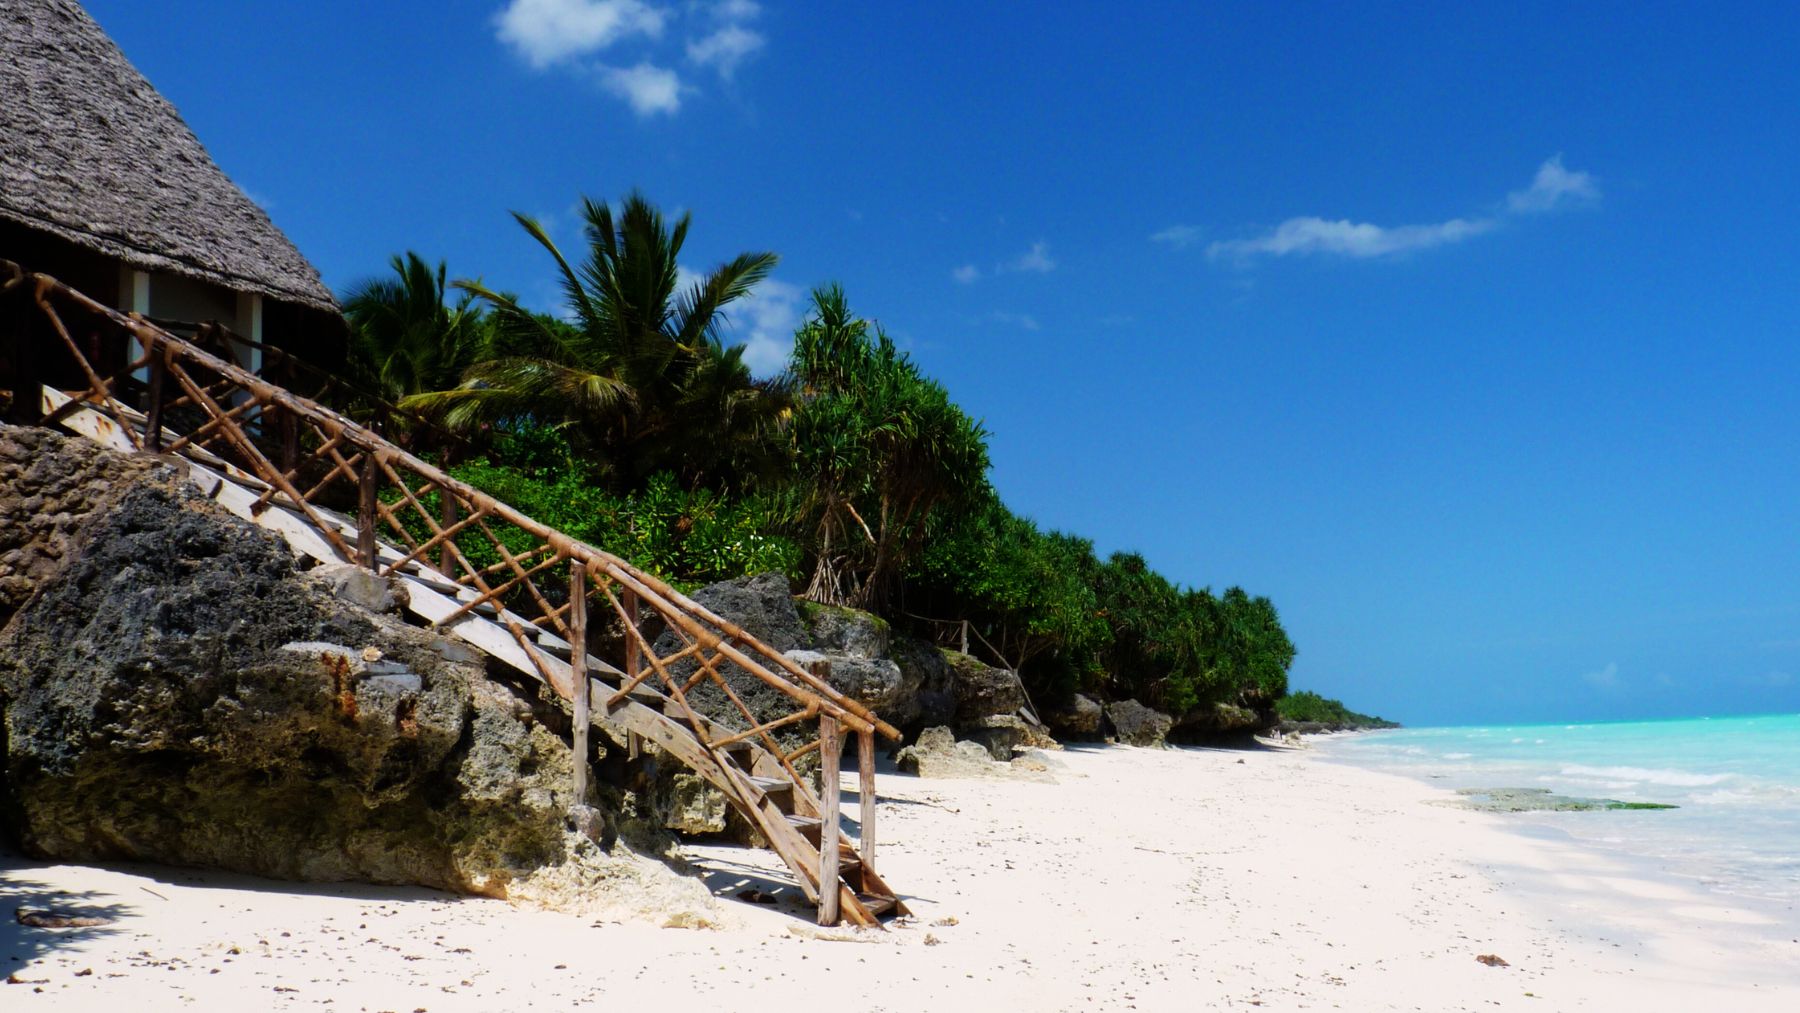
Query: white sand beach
pixel 1149 880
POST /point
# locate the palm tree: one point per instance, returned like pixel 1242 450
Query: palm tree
pixel 404 338
pixel 640 375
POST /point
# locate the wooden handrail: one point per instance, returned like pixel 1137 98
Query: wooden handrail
pixel 384 463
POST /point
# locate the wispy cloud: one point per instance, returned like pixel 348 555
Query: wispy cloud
pixel 1553 188
pixel 1350 239
pixel 1606 678
pixel 766 320
pixel 724 49
pixel 1024 321
pixel 763 321
pixel 1179 237
pixel 549 31
pixel 1035 260
pixel 647 88
pixel 589 35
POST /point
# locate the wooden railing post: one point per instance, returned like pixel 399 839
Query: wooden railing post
pixel 865 790
pixel 153 411
pixel 367 551
pixel 447 518
pixel 831 747
pixel 578 672
pixel 290 439
pixel 629 599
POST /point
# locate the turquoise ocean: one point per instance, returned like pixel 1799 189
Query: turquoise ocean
pixel 1736 780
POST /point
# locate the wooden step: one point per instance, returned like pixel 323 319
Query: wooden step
pixel 807 825
pixel 775 787
pixel 878 903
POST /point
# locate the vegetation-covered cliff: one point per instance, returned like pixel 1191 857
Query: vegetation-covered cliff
pixel 632 425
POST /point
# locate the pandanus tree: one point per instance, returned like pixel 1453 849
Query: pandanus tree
pixel 879 449
pixel 639 378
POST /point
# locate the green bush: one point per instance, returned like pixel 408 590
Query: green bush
pixel 1309 706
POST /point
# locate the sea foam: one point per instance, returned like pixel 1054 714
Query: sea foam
pixel 1646 775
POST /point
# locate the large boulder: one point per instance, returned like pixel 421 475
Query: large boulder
pixel 1081 718
pixel 846 632
pixel 901 678
pixel 1225 722
pixel 179 692
pixel 933 696
pixel 982 691
pixel 764 608
pixel 1138 725
pixel 938 753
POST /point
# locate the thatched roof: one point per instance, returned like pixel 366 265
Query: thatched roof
pixel 91 153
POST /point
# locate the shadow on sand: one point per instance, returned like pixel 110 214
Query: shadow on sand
pixel 22 892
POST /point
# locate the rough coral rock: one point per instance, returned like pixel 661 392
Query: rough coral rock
pixel 178 692
pixel 1079 719
pixel 937 753
pixel 1138 725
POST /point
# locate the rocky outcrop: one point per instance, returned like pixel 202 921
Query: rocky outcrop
pixel 1222 722
pixel 982 690
pixel 993 709
pixel 1081 718
pixel 938 753
pixel 46 491
pixel 178 692
pixel 1137 725
pixel 903 680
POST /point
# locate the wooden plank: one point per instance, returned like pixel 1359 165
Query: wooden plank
pixel 578 674
pixel 830 752
pixel 865 789
pixel 367 502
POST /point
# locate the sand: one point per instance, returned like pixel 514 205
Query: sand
pixel 1142 879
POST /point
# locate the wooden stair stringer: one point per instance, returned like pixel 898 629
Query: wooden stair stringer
pixel 236 492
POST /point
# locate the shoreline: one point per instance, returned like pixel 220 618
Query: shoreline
pixel 1143 879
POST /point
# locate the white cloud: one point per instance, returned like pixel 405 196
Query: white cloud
pixel 1553 187
pixel 1036 260
pixel 767 318
pixel 649 89
pixel 724 49
pixel 1349 239
pixel 736 10
pixel 548 31
pixel 1607 678
pixel 1178 236
pixel 763 321
pixel 1022 320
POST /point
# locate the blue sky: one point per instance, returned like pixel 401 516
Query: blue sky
pixel 1469 336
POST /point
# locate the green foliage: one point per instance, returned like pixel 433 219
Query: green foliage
pixel 405 339
pixel 1029 593
pixel 640 381
pixel 1306 705
pixel 1067 621
pixel 631 426
pixel 878 451
pixel 691 537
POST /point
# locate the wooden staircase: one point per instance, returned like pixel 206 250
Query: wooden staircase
pixel 473 567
